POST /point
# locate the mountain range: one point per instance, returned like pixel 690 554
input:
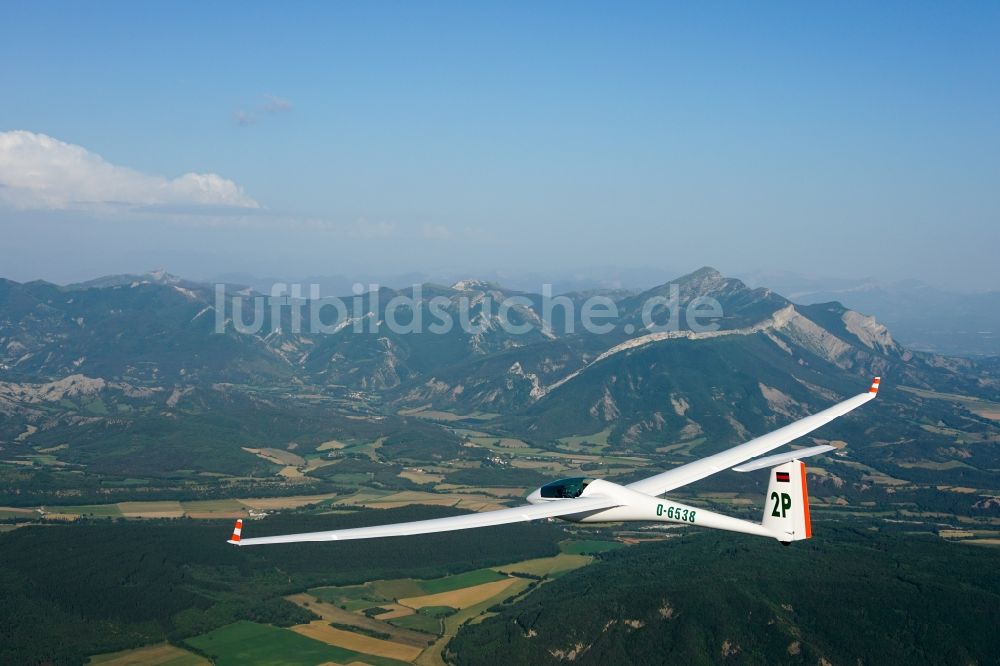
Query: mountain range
pixel 128 354
pixel 921 316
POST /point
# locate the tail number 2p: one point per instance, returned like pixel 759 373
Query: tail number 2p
pixel 782 503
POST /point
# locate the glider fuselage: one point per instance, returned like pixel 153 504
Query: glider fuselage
pixel 632 505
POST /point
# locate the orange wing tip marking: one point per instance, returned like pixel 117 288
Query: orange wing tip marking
pixel 805 501
pixel 874 388
pixel 237 529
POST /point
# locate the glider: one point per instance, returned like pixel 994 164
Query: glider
pixel 586 500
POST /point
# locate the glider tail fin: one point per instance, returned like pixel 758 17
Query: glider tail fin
pixel 786 505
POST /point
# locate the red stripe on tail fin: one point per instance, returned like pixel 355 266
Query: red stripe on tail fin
pixel 874 388
pixel 805 500
pixel 237 529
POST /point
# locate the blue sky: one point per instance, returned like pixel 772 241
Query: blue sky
pixel 839 139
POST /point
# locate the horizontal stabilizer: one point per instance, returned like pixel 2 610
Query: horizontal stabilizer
pixel 772 461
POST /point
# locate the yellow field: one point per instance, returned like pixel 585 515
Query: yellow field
pixel 392 501
pixel 955 534
pixel 163 654
pixel 420 497
pixel 493 491
pixel 503 491
pixel 277 456
pixel 475 505
pixel 322 631
pixel 463 598
pixel 364 495
pixel 537 464
pixel 548 565
pixel 405 498
pixel 292 502
pixel 331 613
pixel 835 443
pixel 331 444
pixel 421 477
pixel 166 509
pixel 930 464
pixel 471 603
pixel 432 655
pixel 958 489
pixel 53 449
pixel 469 505
pixel 435 415
pixel 207 509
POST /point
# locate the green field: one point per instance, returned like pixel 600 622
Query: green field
pixel 588 443
pixel 398 589
pixel 458 581
pixel 505 445
pixel 331 594
pixel 426 619
pixel 10 513
pixel 250 644
pixel 682 448
pixel 352 598
pixel 589 546
pixel 97 510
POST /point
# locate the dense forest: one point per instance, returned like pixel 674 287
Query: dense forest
pixel 857 595
pixel 91 587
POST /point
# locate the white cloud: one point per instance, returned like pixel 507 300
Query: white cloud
pixel 244 119
pixel 272 105
pixel 442 232
pixel 362 228
pixel 436 232
pixel 41 173
pixel 275 104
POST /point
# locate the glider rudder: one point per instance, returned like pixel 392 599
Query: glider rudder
pixel 786 505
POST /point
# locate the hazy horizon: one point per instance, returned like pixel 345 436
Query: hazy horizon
pixel 634 278
pixel 388 139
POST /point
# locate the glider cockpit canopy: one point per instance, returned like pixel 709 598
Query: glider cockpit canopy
pixel 565 488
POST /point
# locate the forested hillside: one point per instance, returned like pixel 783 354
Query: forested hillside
pixel 852 595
